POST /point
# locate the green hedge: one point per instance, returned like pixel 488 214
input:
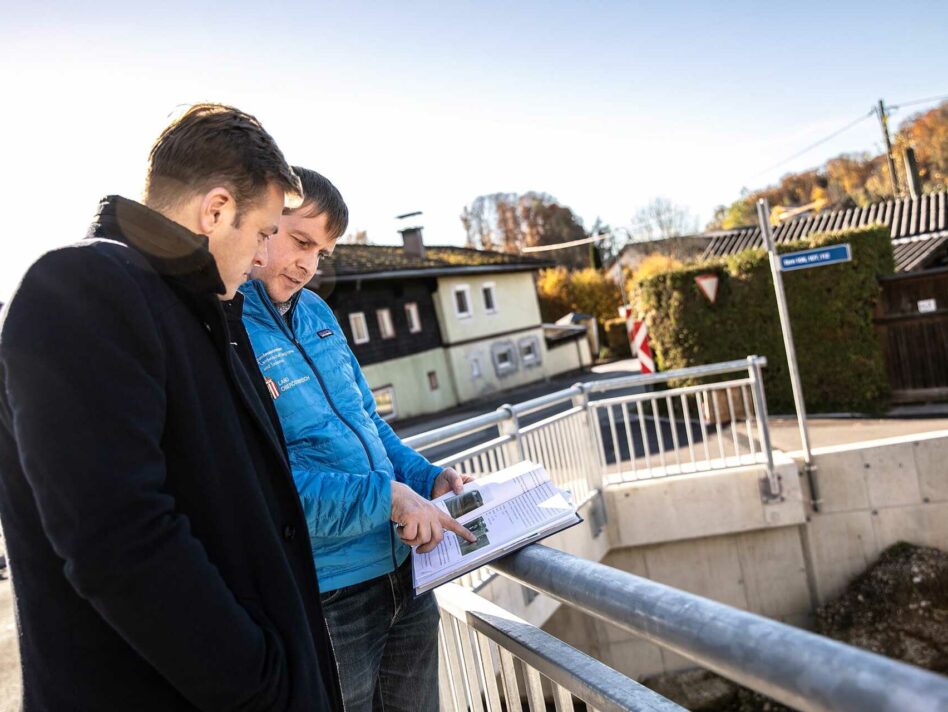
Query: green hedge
pixel 617 338
pixel 831 310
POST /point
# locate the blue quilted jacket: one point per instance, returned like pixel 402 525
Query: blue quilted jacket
pixel 343 455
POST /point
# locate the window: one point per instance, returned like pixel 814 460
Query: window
pixel 504 356
pixel 462 301
pixel 433 380
pixel 360 330
pixel 475 367
pixel 529 351
pixel 414 318
pixel 385 402
pixel 386 327
pixel 489 304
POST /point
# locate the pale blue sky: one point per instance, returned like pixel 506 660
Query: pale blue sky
pixel 424 106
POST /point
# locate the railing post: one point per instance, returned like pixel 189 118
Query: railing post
pixel 594 475
pixel 595 470
pixel 510 425
pixel 770 486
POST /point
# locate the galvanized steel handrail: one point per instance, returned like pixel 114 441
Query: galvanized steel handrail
pixel 714 369
pixel 449 432
pixel 494 440
pixel 670 393
pixel 570 671
pixel 452 431
pixel 545 401
pixel 798 668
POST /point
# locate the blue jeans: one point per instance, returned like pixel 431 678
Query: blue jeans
pixel 385 642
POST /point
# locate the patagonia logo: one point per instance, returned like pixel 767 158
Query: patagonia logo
pixel 324 333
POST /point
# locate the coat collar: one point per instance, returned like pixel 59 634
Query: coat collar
pixel 171 249
pixel 259 302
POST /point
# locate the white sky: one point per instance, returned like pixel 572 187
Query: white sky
pixel 418 106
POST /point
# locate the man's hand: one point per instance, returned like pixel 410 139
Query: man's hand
pixel 449 481
pixel 420 523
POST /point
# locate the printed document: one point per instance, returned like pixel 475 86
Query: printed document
pixel 505 511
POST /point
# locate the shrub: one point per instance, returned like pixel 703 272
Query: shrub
pixel 587 290
pixel 553 292
pixel 617 338
pixel 831 308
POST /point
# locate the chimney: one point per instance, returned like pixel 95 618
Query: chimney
pixel 911 173
pixel 410 231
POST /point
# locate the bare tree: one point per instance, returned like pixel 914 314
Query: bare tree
pixel 359 237
pixel 508 222
pixel 662 219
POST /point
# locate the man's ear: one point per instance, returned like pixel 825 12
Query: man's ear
pixel 216 210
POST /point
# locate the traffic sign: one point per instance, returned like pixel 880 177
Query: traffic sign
pixel 638 335
pixel 708 284
pixel 829 255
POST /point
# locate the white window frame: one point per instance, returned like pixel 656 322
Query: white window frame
pixel 531 342
pixel 466 290
pixel 359 318
pixel 386 325
pixel 491 288
pixel 476 371
pixel 507 348
pixel 391 393
pixel 414 317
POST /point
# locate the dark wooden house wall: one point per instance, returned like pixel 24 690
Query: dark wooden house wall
pixel 368 297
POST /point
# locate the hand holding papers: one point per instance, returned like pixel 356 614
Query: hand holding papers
pixel 505 511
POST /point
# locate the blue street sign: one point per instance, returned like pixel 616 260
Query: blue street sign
pixel 829 255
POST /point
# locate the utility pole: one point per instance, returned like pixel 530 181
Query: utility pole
pixel 884 123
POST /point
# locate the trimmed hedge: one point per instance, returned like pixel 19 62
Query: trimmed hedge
pixel 617 338
pixel 831 308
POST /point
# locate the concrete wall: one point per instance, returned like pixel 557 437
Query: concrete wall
pixel 469 387
pixel 876 494
pixel 570 356
pixel 711 535
pixel 761 571
pixel 515 300
pixel 409 377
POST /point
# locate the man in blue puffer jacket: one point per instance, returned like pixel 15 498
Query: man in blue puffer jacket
pixel 355 477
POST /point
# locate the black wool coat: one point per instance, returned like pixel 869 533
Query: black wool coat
pixel 159 555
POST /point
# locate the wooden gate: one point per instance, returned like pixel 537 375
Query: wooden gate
pixel 912 322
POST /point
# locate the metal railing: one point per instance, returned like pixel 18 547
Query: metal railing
pixel 793 666
pixel 492 660
pixel 615 430
pixel 686 429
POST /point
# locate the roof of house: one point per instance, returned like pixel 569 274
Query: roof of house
pixel 918 226
pixel 357 262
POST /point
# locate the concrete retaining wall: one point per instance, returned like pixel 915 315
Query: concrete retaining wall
pixel 712 536
pixel 875 494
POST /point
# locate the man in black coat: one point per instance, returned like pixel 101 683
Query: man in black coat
pixel 158 550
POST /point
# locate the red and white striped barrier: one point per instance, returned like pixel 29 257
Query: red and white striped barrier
pixel 638 335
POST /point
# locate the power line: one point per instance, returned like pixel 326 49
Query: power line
pixel 918 101
pixel 562 245
pixel 818 143
pixel 872 112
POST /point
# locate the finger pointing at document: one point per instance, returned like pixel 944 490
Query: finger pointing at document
pixel 420 523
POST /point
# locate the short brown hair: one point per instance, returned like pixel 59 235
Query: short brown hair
pixel 215 145
pixel 321 196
